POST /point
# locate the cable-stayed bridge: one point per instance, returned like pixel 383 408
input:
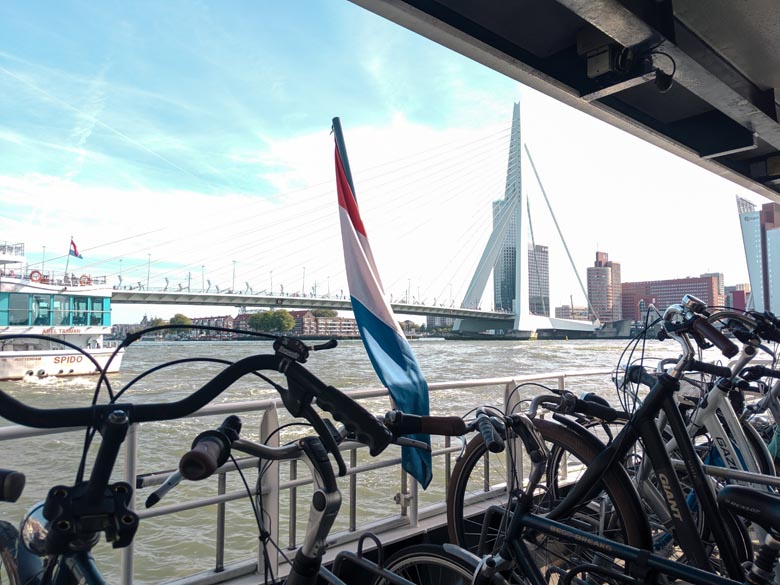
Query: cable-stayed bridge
pixel 490 319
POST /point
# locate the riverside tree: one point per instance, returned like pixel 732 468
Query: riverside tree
pixel 278 320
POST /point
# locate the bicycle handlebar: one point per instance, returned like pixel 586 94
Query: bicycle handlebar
pixel 704 328
pixel 303 387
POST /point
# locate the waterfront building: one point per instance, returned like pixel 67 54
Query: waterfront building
pixel 737 296
pixel 604 289
pixel 438 322
pixel 637 296
pixel 721 283
pixel 571 312
pixel 241 321
pixel 337 327
pixel 761 238
pixel 305 323
pixel 504 270
pixel 539 280
pixel 226 321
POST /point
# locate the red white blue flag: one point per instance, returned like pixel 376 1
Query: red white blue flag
pixel 74 251
pixel 385 343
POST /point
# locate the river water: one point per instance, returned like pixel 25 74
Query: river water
pixel 183 543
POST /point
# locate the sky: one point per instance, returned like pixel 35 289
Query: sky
pixel 188 144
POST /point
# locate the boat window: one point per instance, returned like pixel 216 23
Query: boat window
pixel 60 306
pixel 18 309
pixel 80 307
pixel 96 316
pixel 41 309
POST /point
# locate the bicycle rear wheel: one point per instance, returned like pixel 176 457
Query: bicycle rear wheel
pixel 482 483
pixel 427 564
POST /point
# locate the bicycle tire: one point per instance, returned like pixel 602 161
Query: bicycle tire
pixel 428 564
pixel 9 540
pixel 620 515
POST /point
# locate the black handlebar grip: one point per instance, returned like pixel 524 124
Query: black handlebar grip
pixel 202 460
pixel 11 485
pixel 448 426
pixel 210 450
pixel 605 413
pixel 494 441
pixel 704 328
pixel 357 419
pixel 754 373
pixel 638 375
pixel 402 423
pixel 714 369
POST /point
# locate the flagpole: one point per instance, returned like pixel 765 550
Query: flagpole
pixel 67 260
pixel 342 148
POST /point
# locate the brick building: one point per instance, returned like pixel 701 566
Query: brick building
pixel 662 293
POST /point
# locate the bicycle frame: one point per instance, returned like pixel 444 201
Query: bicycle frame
pixel 641 559
pixel 643 425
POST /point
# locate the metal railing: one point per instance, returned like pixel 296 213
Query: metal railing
pixel 409 518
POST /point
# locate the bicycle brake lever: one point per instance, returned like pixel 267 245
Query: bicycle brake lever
pixel 325 436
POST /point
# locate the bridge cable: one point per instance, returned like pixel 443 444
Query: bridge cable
pixel 560 233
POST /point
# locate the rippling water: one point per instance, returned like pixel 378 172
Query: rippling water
pixel 183 543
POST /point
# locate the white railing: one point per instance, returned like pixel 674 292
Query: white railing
pixel 409 518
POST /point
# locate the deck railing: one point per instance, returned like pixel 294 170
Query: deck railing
pixel 409 518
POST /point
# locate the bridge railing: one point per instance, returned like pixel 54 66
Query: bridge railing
pixel 280 487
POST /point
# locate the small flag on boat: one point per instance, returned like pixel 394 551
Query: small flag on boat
pixel 387 347
pixel 74 251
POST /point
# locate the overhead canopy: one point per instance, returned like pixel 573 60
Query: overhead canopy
pixel 694 77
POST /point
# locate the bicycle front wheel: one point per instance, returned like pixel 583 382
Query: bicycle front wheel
pixel 427 564
pixel 482 483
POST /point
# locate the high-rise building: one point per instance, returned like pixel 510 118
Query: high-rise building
pixel 761 238
pixel 604 289
pixel 539 280
pixel 504 270
pixel 721 281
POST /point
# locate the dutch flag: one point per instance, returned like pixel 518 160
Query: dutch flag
pixel 74 251
pixel 385 343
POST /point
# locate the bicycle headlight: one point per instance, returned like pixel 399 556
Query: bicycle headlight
pixel 34 529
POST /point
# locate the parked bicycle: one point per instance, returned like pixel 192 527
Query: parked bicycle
pixel 588 505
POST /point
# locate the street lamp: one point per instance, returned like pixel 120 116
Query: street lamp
pixel 202 277
pixel 233 288
pixel 148 268
pixel 303 283
pixel 272 282
pixel 43 261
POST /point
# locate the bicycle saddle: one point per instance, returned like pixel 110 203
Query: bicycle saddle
pixel 757 506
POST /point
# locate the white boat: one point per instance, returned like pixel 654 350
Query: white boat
pixel 68 307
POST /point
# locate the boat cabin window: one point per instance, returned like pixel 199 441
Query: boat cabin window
pixel 18 309
pixel 53 310
pixel 96 315
pixel 80 308
pixel 41 312
pixel 60 306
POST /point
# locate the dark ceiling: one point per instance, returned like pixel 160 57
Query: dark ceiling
pixel 694 77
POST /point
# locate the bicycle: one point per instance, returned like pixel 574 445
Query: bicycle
pixel 681 322
pixel 514 563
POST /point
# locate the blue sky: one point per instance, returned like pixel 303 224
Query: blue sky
pixel 190 141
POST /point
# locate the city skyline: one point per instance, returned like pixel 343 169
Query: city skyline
pixel 214 163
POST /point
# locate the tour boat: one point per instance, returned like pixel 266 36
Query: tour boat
pixel 68 307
